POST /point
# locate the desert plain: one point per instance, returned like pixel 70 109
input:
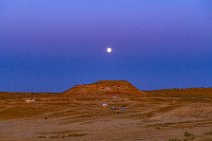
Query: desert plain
pixel 159 115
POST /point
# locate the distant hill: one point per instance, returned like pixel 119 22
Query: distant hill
pixel 105 87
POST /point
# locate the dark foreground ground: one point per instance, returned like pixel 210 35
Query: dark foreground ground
pixel 163 115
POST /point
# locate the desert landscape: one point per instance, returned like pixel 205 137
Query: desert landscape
pixel 105 70
pixel 107 111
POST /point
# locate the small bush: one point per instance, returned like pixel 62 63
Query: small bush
pixel 174 140
pixel 76 135
pixel 41 136
pixel 189 136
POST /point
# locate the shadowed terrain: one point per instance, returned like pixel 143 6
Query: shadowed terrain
pixel 160 115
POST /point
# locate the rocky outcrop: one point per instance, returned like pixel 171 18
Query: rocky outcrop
pixel 105 87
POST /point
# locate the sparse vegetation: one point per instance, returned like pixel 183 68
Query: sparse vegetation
pixel 174 139
pixel 76 135
pixel 41 136
pixel 189 136
pixel 62 134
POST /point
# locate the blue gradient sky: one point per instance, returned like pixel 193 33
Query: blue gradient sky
pixel 51 45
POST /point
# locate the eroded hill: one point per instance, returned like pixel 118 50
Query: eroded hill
pixel 105 87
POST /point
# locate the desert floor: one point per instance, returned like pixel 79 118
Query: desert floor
pixel 163 115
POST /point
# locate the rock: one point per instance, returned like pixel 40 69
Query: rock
pixel 113 108
pixel 29 100
pixel 104 105
pixel 105 87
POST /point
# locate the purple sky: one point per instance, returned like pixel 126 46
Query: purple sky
pixel 51 45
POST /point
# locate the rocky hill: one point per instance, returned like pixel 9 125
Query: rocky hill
pixel 105 87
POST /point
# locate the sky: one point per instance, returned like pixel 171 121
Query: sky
pixel 52 45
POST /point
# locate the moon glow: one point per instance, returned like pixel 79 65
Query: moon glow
pixel 109 50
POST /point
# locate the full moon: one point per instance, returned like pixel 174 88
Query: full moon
pixel 109 50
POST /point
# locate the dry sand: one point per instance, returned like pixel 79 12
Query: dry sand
pixel 165 115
